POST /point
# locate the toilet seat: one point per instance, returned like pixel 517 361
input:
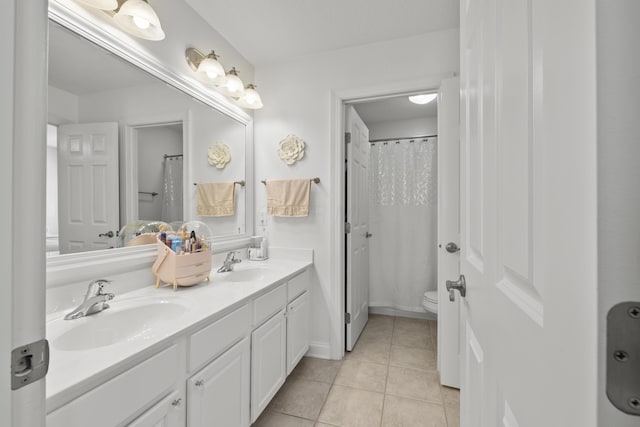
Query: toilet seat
pixel 430 301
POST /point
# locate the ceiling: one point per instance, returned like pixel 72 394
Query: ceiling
pixel 394 109
pixel 80 67
pixel 265 31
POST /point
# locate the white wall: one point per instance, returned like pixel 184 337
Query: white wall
pixel 62 107
pixel 153 143
pixel 618 175
pixel 297 96
pixel 403 128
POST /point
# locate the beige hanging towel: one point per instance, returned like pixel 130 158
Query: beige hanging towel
pixel 216 198
pixel 288 197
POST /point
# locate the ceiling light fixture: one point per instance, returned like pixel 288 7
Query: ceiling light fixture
pixel 100 4
pixel 251 98
pixel 424 98
pixel 139 19
pixel 207 65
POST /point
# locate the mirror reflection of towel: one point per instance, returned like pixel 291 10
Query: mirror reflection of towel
pixel 216 198
pixel 288 197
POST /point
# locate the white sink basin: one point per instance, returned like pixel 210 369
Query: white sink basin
pixel 115 325
pixel 248 274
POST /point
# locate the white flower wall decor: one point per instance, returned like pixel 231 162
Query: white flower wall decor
pixel 219 155
pixel 291 149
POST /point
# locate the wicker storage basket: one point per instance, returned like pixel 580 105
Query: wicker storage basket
pixel 181 270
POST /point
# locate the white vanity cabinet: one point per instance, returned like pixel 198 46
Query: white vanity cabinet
pixel 169 412
pixel 224 372
pixel 219 394
pixel 297 330
pixel 268 362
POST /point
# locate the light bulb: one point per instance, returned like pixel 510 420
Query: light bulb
pixel 234 86
pixel 141 23
pixel 212 68
pixel 251 98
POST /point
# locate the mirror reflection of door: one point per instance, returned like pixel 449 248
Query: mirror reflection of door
pixel 160 172
pixel 88 212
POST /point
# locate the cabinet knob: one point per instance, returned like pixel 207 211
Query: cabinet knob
pixel 177 402
pixel 200 383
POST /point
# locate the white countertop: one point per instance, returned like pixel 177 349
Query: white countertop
pixel 72 373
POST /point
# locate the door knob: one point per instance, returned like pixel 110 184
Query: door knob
pixel 108 234
pixel 460 285
pixel 452 248
pixel 368 235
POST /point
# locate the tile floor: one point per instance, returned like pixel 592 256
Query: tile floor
pixel 389 379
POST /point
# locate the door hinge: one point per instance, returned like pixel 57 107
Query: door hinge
pixel 29 363
pixel 347 137
pixel 347 318
pixel 347 228
pixel 623 363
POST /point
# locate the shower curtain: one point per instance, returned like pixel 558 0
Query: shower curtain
pixel 403 215
pixel 172 190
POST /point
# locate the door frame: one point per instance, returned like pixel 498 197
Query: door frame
pixel 129 160
pixel 339 98
pixel 24 117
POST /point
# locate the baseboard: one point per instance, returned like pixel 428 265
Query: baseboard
pixel 390 311
pixel 319 350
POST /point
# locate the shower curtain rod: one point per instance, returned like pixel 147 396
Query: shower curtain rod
pixel 403 138
pixel 166 156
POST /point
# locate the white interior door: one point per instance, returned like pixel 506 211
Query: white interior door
pixel 448 230
pixel 357 298
pixel 528 213
pixel 88 206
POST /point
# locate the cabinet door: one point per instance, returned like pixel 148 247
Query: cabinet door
pixel 297 330
pixel 268 362
pixel 169 412
pixel 219 393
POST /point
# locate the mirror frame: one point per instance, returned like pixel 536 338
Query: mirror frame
pixel 96 28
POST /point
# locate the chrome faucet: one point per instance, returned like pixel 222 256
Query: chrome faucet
pixel 94 300
pixel 229 262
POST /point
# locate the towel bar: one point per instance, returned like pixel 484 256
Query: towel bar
pixel 240 183
pixel 315 180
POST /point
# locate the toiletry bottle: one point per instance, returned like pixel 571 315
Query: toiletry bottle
pixel 176 244
pixel 263 248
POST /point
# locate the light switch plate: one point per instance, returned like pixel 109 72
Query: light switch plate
pixel 262 218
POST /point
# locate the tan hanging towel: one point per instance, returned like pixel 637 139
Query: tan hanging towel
pixel 216 198
pixel 288 197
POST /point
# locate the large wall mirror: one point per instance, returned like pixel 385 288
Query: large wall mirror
pixel 125 146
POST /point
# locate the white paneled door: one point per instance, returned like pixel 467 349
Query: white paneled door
pixel 448 230
pixel 357 298
pixel 528 213
pixel 88 206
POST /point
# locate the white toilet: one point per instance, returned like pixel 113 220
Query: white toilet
pixel 430 301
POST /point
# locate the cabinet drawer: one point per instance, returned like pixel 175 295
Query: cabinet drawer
pixel 212 340
pixel 269 304
pixel 297 285
pixel 117 400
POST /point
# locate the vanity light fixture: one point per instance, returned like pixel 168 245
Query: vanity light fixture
pixel 100 4
pixel 251 98
pixel 229 84
pixel 139 19
pixel 424 98
pixel 207 65
pixel 234 86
